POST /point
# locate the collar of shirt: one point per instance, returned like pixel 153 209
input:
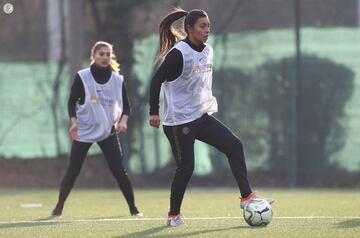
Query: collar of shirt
pixel 100 74
pixel 194 47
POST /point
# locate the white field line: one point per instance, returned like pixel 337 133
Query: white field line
pixel 59 220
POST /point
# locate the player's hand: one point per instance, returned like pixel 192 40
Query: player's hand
pixel 121 127
pixel 73 131
pixel 154 121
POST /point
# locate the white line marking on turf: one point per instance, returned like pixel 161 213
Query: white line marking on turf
pixel 318 217
pixel 59 220
pixel 31 205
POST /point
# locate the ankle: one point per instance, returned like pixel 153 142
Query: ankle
pixel 172 215
pixel 248 197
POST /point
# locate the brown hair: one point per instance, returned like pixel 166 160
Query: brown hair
pixel 169 35
pixel 114 65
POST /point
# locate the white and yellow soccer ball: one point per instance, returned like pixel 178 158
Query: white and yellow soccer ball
pixel 258 212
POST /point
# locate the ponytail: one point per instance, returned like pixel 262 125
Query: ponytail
pixel 170 35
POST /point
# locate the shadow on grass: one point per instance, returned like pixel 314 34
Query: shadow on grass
pixel 112 217
pixel 353 223
pixel 46 221
pixel 52 220
pixel 152 231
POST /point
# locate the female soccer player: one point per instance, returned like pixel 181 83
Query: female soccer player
pixel 186 73
pixel 98 108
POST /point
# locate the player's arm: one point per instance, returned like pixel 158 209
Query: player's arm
pixel 77 95
pixel 169 70
pixel 122 124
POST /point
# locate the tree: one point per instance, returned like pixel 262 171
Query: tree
pixel 114 21
pixel 236 93
pixel 325 88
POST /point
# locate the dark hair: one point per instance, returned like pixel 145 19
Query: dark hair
pixel 169 35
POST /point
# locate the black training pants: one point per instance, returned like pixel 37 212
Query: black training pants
pixel 112 152
pixel 211 131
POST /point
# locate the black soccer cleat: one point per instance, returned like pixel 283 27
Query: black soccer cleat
pixel 135 212
pixel 57 211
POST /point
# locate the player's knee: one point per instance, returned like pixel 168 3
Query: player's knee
pixel 235 146
pixel 238 144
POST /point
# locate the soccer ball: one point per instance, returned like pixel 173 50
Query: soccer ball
pixel 257 212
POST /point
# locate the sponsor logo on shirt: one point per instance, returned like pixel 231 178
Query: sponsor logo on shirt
pixel 93 99
pixel 202 68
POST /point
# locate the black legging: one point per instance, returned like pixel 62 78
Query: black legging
pixel 112 152
pixel 211 131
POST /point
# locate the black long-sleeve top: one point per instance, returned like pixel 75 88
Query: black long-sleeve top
pixel 169 70
pixel 101 76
